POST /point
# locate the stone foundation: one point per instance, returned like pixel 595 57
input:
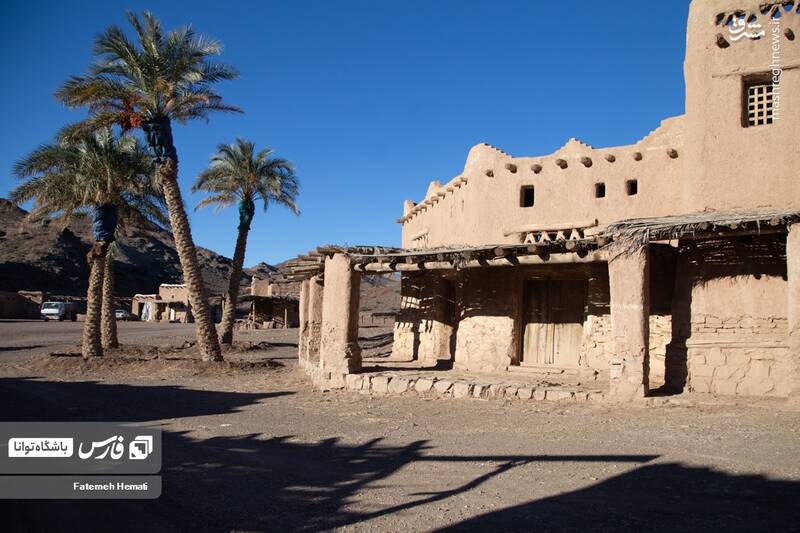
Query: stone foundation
pixel 426 386
pixel 744 357
pixel 597 349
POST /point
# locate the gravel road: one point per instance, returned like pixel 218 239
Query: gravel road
pixel 260 451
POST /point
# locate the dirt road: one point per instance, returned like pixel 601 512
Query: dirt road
pixel 258 450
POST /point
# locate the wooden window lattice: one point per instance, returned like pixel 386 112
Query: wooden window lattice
pixel 759 104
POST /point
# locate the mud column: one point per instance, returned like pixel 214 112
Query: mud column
pixel 406 328
pixel 630 322
pixel 340 353
pixel 312 339
pixel 302 345
pixel 793 315
pixel 434 332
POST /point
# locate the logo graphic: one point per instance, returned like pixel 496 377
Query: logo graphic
pixel 111 447
pixel 140 447
pixel 39 447
pixel 738 28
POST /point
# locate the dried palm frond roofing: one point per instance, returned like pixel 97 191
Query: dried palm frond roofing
pixel 634 233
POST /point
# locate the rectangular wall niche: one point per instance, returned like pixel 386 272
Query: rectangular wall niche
pixel 599 190
pixel 527 196
pixel 632 187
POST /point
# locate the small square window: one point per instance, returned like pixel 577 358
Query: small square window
pixel 527 196
pixel 757 108
pixel 599 190
pixel 632 187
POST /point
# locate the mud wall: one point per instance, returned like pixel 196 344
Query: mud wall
pixel 488 303
pixel 736 321
pixel 488 306
pixel 705 159
pixel 424 326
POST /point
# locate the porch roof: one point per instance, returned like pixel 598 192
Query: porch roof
pixel 636 232
pixel 380 259
pixel 550 246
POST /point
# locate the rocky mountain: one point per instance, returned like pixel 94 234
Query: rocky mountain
pixel 46 256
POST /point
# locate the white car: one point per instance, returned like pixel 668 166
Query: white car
pixel 124 314
pixel 59 311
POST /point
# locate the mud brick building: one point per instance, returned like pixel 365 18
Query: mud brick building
pixel 171 304
pixel 671 263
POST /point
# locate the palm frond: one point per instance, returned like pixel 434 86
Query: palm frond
pixel 155 74
pixel 237 172
pixel 66 177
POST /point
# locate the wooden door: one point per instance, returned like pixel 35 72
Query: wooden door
pixel 552 320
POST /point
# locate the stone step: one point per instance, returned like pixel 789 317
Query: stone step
pixel 543 370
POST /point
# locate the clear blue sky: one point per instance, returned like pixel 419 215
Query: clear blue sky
pixel 370 99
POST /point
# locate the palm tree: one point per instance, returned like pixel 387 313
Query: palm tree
pixel 162 78
pixel 108 308
pixel 107 177
pixel 238 174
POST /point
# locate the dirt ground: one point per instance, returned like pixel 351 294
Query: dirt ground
pixel 249 446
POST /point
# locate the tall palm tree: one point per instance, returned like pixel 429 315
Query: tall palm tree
pixel 165 77
pixel 238 174
pixel 108 308
pixel 100 175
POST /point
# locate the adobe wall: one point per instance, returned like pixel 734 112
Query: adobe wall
pixel 704 159
pixel 422 330
pixel 174 293
pixel 487 206
pixel 737 322
pixel 23 304
pixel 723 157
pixel 261 287
pixel 488 306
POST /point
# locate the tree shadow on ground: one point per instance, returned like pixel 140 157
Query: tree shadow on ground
pixel 27 399
pixel 249 482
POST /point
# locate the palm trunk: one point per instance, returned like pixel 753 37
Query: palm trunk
pixel 92 346
pixel 108 324
pixel 167 177
pixel 229 312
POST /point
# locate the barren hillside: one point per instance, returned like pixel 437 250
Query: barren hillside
pixel 46 256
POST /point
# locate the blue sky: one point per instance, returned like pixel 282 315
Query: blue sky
pixel 370 99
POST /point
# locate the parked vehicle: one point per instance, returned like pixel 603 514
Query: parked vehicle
pixel 59 311
pixel 124 314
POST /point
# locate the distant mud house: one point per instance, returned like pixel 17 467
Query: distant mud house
pixel 671 263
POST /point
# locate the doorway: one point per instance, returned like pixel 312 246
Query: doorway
pixel 552 322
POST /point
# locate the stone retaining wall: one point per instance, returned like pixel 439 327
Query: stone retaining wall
pixel 747 356
pixel 448 388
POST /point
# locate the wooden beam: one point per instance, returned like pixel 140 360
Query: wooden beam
pixel 536 228
pixel 543 259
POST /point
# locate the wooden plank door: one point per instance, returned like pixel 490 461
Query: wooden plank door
pixel 552 319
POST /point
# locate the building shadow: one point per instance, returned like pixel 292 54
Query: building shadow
pixel 255 482
pixel 657 498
